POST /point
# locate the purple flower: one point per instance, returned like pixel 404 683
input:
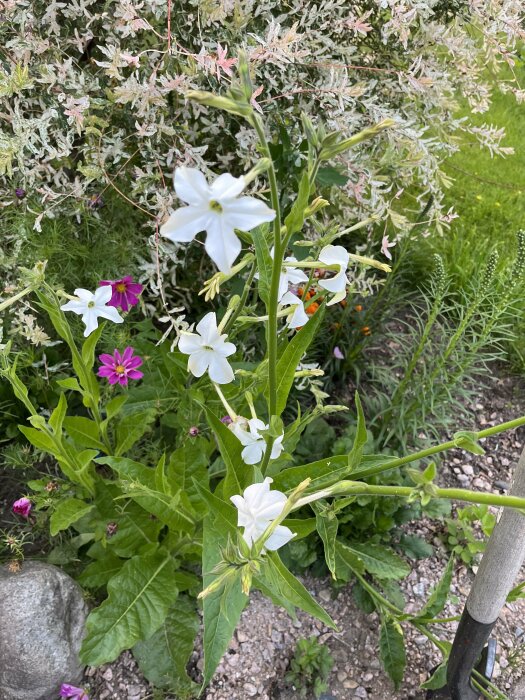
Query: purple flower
pixel 226 420
pixel 338 353
pixel 71 691
pixel 22 507
pixel 20 192
pixel 193 431
pixel 125 292
pixel 95 202
pixel 119 368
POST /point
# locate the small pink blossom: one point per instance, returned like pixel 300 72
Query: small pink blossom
pixel 120 367
pixel 385 245
pixel 22 507
pixel 125 292
pixel 338 353
pixel 193 431
pixel 223 63
pixel 72 692
pixel 253 99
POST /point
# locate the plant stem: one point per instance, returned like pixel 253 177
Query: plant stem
pixel 244 297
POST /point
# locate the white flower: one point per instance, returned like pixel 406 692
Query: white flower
pixel 385 245
pixel 289 275
pixel 216 209
pixel 297 316
pixel 257 508
pixel 254 443
pixel 91 305
pixel 208 350
pixel 335 255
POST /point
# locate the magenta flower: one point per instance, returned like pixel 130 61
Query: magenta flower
pixel 125 292
pixel 119 368
pixel 71 691
pixel 22 507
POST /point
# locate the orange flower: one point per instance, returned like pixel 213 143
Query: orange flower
pixel 358 308
pixel 310 310
pixel 365 330
pixel 343 303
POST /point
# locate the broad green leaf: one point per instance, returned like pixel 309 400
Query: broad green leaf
pixel 327 525
pixel 264 262
pixel 114 406
pixel 363 599
pixel 84 432
pixel 66 513
pixel 379 561
pixel 139 598
pixel 237 473
pixel 354 458
pixel 88 348
pixel 392 650
pixel 415 547
pixel 393 593
pixel 131 428
pixel 187 463
pixel 223 607
pixel 164 656
pixel 347 562
pixel 438 679
pixel 328 176
pixel 99 572
pixel 57 417
pixel 438 597
pixel 301 527
pixel 288 589
pixel 70 383
pixel 289 478
pixel 39 439
pixel 290 358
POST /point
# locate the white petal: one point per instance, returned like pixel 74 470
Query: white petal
pixel 227 187
pixel 337 297
pixel 283 285
pixel 299 318
pixel 191 186
pixel 109 312
pixel 246 213
pixel 220 370
pixel 207 328
pixel 85 294
pixel 252 454
pixel 250 534
pixel 244 437
pixel 77 307
pixel 222 245
pixel 91 321
pixel 256 493
pixel 189 343
pixel 296 276
pixel 102 295
pixel 334 255
pixel 279 537
pixel 185 223
pixel 256 425
pixel 243 516
pixel 224 349
pixel 335 284
pixel 271 507
pixel 277 447
pixel 198 362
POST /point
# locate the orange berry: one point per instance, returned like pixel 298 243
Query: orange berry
pixel 343 303
pixel 310 310
pixel 358 308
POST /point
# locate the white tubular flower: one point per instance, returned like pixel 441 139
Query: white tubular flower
pixel 257 508
pixel 208 350
pixel 216 209
pixel 254 443
pixel 335 255
pixel 297 316
pixel 289 275
pixel 91 305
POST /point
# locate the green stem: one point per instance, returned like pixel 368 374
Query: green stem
pixel 242 302
pixel 451 444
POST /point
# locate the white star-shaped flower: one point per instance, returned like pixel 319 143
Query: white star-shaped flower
pixel 216 209
pixel 257 508
pixel 91 305
pixel 254 443
pixel 208 350
pixel 335 255
pixel 289 275
pixel 297 316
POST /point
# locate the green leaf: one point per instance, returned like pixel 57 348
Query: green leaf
pixel 187 463
pixel 329 176
pixel 264 262
pixel 41 440
pixel 84 432
pixel 347 562
pixel 361 436
pixel 438 597
pixel 438 679
pixel 57 417
pixel 70 383
pixel 88 348
pixel 327 525
pixel 131 428
pixel 327 468
pixel 290 358
pixel 415 547
pixel 237 473
pixel 295 219
pixel 288 589
pixel 380 561
pixel 101 571
pixel 66 513
pixel 114 406
pixel 164 656
pixel 468 440
pixel 392 650
pixel 139 598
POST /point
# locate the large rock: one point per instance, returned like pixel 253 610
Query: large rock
pixel 42 615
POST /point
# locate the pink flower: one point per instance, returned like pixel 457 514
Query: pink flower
pixel 385 245
pixel 119 368
pixel 338 353
pixel 22 507
pixel 71 691
pixel 125 292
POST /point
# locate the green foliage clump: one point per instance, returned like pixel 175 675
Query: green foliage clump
pixel 310 667
pixel 462 534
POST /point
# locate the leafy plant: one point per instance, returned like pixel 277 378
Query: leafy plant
pixel 462 532
pixel 310 667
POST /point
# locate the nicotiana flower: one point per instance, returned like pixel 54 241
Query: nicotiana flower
pixel 297 316
pixel 124 292
pixel 288 276
pixel 335 255
pixel 254 443
pixel 257 508
pixel 208 350
pixel 120 367
pixel 91 305
pixel 22 507
pixel 216 209
pixel 72 692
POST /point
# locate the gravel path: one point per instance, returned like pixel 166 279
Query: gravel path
pixel 257 659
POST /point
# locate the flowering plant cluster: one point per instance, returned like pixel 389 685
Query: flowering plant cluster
pixel 219 489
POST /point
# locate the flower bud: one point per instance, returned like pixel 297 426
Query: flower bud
pixel 22 507
pixel 193 431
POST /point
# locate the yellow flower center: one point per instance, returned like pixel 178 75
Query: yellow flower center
pixel 120 369
pixel 120 287
pixel 215 206
pixel 91 304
